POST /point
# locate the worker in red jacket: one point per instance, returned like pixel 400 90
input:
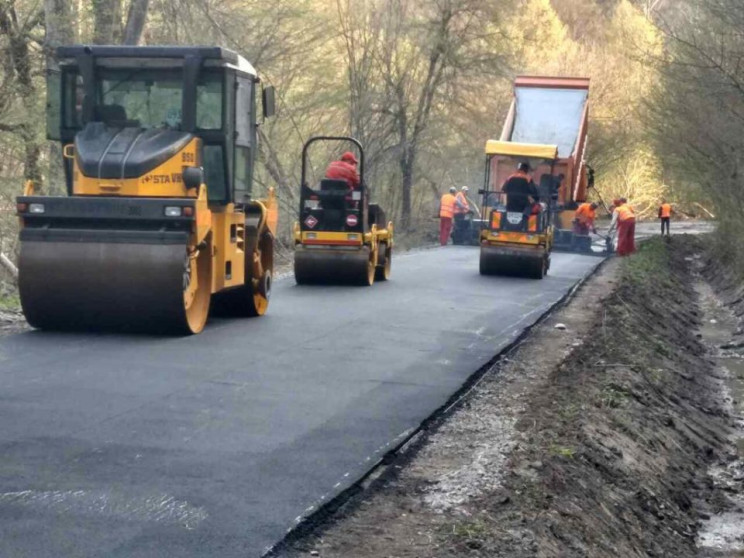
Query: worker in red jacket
pixel 623 217
pixel 344 169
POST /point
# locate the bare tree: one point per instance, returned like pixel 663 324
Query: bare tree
pixel 19 61
pixel 107 29
pixel 136 19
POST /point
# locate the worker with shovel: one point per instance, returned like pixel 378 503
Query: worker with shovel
pixel 624 219
pixel 584 219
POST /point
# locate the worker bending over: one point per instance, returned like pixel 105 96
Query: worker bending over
pixel 344 169
pixel 521 191
pixel 665 214
pixel 446 214
pixel 584 219
pixel 623 217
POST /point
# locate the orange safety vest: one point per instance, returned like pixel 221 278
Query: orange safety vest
pixel 464 201
pixel 585 214
pixel 447 206
pixel 665 210
pixel 625 213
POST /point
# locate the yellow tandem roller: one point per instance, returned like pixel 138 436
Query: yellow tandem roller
pixel 340 238
pixel 158 225
pixel 517 243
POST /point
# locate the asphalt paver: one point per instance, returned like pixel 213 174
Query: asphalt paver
pixel 218 444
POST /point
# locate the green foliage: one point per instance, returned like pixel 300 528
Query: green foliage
pixel 9 301
pixel 695 112
pixel 561 451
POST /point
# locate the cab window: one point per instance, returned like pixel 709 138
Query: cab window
pixel 214 172
pixel 72 99
pixel 209 102
pixel 140 97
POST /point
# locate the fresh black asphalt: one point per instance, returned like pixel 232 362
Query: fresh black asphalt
pixel 216 444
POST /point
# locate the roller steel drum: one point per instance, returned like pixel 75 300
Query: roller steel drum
pixel 328 266
pixel 497 260
pixel 117 284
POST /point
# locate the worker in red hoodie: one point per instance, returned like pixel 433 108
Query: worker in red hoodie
pixel 623 217
pixel 345 169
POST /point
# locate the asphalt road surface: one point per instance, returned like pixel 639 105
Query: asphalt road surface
pixel 216 444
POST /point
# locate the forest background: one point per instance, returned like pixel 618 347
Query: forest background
pixel 423 84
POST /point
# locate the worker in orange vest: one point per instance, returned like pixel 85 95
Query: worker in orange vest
pixel 462 207
pixel 461 231
pixel 584 219
pixel 665 213
pixel 446 214
pixel 623 217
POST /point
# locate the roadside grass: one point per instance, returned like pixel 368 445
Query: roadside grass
pixel 9 299
pixel 650 263
pixel 613 396
pixel 560 451
pixel 470 534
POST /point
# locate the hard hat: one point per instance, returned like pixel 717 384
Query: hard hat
pixel 465 189
pixel 349 157
pixel 452 190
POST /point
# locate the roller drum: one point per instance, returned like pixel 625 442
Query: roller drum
pixel 496 260
pixel 327 266
pixel 105 286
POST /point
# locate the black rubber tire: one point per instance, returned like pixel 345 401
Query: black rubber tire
pixel 245 301
pixel 539 268
pixel 382 272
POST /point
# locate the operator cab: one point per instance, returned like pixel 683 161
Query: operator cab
pixel 332 205
pixel 129 109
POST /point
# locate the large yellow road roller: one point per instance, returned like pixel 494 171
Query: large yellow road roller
pixel 340 238
pixel 159 145
pixel 517 237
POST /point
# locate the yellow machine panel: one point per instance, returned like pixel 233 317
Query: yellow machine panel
pixel 164 181
pixel 527 150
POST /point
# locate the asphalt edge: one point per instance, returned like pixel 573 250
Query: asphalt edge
pixel 415 437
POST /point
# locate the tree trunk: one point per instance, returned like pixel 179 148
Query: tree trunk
pixel 136 19
pixel 106 21
pixel 20 56
pixel 60 30
pixel 407 160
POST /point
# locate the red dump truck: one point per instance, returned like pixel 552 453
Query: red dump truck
pixel 550 111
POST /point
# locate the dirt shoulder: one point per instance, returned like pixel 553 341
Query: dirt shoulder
pixel 593 440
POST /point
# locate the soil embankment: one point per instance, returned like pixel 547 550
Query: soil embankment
pixel 596 437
